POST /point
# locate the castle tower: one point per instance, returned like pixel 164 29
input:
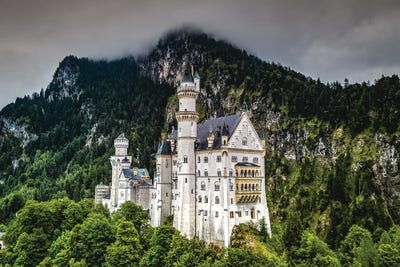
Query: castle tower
pixel 163 183
pixel 119 161
pixel 187 118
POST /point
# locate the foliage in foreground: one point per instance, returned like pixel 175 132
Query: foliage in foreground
pixel 62 232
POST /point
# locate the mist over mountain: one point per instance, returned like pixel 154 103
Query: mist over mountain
pixel 332 150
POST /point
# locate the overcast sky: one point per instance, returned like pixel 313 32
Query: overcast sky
pixel 332 40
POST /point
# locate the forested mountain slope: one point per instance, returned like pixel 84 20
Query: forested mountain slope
pixel 332 150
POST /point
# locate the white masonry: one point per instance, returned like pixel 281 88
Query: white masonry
pixel 209 176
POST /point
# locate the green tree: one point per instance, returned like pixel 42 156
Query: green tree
pixel 31 248
pixel 129 211
pixel 389 255
pixel 160 245
pixel 90 240
pixel 126 250
pixel 357 246
pixel 314 252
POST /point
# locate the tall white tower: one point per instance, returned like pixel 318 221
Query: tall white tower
pixel 187 118
pixel 119 161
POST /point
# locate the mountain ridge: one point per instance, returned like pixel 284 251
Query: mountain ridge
pixel 322 139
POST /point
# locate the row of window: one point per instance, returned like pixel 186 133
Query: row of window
pixel 231 214
pixel 248 187
pixel 233 159
pixel 216 200
pixel 243 173
pixel 217 186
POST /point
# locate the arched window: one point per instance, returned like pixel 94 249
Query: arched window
pixel 234 159
pixel 200 199
pixel 231 186
pixel 216 200
pixel 218 158
pixel 216 186
pixel 203 186
pixel 185 159
pixel 205 172
pixel 198 172
pixel 206 199
pixel 205 159
pixel 219 172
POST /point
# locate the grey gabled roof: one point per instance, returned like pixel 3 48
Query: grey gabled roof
pixel 128 174
pixel 216 124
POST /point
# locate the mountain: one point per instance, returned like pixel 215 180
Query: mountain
pixel 332 150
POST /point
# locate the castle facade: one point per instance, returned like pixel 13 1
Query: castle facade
pixel 209 176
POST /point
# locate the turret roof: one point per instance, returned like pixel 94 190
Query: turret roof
pixel 164 148
pixel 121 137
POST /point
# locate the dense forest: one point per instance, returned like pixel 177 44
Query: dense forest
pixel 332 168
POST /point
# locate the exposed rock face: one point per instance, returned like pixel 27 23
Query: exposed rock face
pixel 19 131
pixel 65 81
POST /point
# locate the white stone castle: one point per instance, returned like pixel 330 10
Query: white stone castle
pixel 209 176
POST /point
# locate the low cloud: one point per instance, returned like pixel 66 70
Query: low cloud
pixel 327 39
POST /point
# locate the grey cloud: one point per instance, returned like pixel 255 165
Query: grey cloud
pixel 329 39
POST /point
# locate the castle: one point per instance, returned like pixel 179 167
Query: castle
pixel 209 176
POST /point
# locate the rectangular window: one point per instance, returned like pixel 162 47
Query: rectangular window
pixel 216 214
pixel 219 173
pixel 231 214
pixel 198 159
pixel 245 159
pixel 218 158
pixel 234 158
pixel 205 159
pixel 205 212
pixel 239 214
pixel 255 160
